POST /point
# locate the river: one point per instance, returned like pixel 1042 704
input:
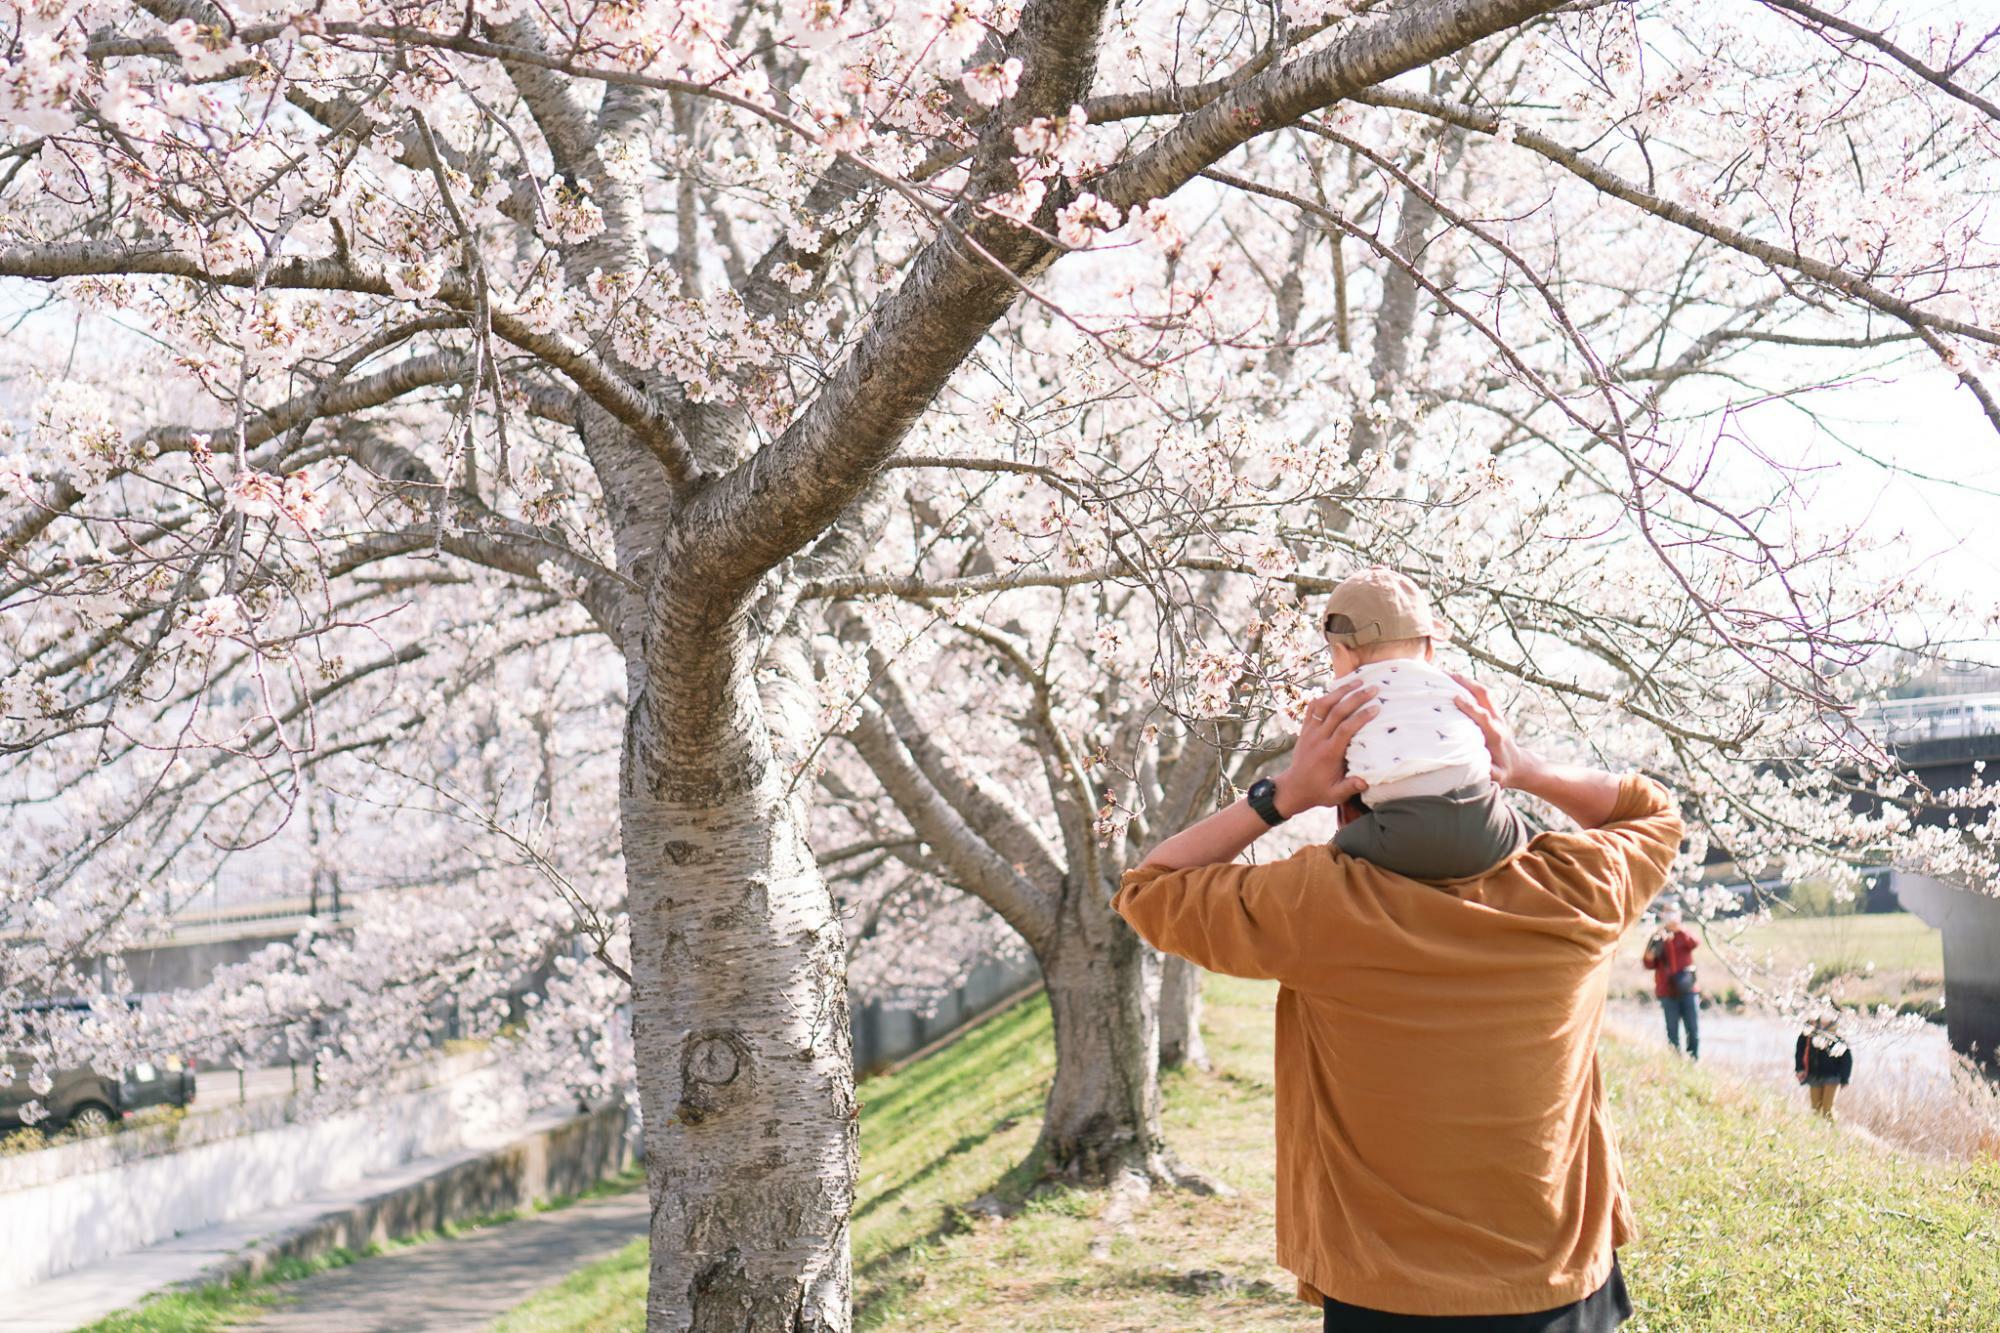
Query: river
pixel 1917 1056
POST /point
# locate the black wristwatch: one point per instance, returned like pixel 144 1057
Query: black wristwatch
pixel 1263 798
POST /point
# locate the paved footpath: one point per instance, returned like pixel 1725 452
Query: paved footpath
pixel 464 1283
pixel 85 1295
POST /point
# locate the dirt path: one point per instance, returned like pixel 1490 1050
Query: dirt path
pixel 465 1283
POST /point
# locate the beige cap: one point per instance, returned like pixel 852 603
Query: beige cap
pixel 1380 604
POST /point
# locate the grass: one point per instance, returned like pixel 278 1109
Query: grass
pixel 925 1261
pixel 1858 960
pixel 1753 1215
pixel 1896 941
pixel 219 1305
pixel 608 1294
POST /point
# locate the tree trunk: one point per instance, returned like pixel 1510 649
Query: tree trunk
pixel 1180 1015
pixel 1102 1120
pixel 740 1023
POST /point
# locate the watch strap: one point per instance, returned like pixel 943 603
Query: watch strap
pixel 1263 798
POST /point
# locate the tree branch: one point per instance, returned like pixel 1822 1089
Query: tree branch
pixel 1937 78
pixel 1609 182
pixel 627 402
pixel 974 866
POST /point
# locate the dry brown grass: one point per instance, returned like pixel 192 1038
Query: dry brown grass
pixel 1958 1124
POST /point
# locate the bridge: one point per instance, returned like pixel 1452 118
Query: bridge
pixel 200 942
pixel 1946 741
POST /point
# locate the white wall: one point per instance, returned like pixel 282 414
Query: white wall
pixel 51 1228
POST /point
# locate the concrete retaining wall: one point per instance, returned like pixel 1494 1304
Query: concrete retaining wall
pixel 563 1160
pixel 66 1223
pixel 886 1031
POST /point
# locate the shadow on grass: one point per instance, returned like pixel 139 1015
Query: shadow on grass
pixel 889 1276
pixel 966 1145
pixel 1207 1283
pixel 918 1093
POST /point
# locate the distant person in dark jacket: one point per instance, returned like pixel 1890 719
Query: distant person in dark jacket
pixel 1670 957
pixel 1824 1062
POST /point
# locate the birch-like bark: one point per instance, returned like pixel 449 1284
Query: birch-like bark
pixel 1180 1015
pixel 740 1003
pixel 1102 1118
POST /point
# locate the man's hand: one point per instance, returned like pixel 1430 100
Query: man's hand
pixel 1318 773
pixel 1511 763
pixel 1318 776
pixel 1587 795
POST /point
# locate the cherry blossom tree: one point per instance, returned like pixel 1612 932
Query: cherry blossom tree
pixel 1747 682
pixel 454 332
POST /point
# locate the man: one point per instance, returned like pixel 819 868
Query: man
pixel 1670 956
pixel 1444 1157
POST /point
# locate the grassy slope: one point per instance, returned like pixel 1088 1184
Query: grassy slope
pixel 1754 1216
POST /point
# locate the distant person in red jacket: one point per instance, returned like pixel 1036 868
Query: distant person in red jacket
pixel 1670 957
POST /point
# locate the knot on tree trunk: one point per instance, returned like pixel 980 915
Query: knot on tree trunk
pixel 715 1073
pixel 725 1297
pixel 1097 1151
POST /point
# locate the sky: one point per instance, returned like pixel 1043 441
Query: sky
pixel 1913 456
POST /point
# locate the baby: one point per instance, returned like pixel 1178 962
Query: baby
pixel 1431 810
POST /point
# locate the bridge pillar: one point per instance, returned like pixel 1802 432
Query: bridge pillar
pixel 1970 924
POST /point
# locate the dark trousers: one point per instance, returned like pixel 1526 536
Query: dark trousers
pixel 1600 1312
pixel 1681 1009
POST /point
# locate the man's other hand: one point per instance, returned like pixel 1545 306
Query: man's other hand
pixel 1510 762
pixel 1318 773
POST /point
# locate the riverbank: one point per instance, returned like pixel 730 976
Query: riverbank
pixel 1858 961
pixel 1910 1089
pixel 1753 1215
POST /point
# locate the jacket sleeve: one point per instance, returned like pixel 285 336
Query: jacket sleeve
pixel 1269 921
pixel 1799 1054
pixel 1623 863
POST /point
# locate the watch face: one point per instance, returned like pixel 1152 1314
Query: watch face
pixel 1263 798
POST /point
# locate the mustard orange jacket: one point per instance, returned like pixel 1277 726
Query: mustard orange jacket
pixel 1442 1142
